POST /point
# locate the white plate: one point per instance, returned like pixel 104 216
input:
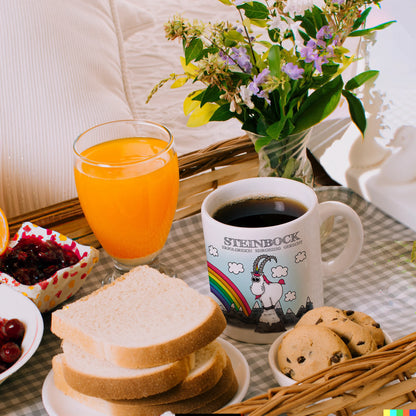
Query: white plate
pixel 57 403
pixel 241 370
pixel 15 305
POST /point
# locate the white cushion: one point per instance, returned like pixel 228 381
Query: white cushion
pixel 133 17
pixel 62 71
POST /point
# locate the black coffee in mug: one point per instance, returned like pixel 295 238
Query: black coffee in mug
pixel 260 212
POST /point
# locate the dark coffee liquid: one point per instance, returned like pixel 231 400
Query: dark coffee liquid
pixel 260 212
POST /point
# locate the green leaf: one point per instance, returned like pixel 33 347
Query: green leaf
pixel 361 19
pixel 319 105
pixel 274 130
pixel 360 79
pixel 364 32
pixel 356 111
pixel 222 113
pixel 258 22
pixel 304 35
pixel 234 35
pixel 309 26
pixel 210 94
pixel 273 59
pixel 330 69
pixel 205 52
pixel 193 50
pixel 261 142
pixel 227 2
pixel 274 35
pixel 255 10
pixel 319 17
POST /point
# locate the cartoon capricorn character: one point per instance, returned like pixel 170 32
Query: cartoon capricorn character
pixel 269 293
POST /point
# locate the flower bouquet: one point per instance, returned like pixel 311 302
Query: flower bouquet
pixel 278 70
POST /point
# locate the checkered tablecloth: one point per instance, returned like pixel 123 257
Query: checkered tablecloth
pixel 382 283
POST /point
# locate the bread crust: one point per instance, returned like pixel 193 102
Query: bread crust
pixel 162 379
pixel 145 356
pixel 193 385
pixel 207 402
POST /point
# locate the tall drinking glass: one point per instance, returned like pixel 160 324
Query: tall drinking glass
pixel 127 178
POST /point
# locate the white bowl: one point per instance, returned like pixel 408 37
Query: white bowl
pixel 15 305
pixel 282 379
pixel 278 375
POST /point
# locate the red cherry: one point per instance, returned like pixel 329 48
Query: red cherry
pixel 13 330
pixel 10 352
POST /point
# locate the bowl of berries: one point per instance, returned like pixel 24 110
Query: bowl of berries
pixel 45 265
pixel 21 330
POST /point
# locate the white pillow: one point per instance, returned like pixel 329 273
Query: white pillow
pixel 62 71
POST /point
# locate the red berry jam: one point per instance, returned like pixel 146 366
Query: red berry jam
pixel 33 260
pixel 11 336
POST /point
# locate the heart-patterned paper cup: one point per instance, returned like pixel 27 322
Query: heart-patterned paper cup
pixel 65 282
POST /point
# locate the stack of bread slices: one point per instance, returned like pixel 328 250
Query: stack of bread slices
pixel 143 345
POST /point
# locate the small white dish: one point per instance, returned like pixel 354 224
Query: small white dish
pixel 272 356
pixel 65 282
pixel 282 379
pixel 57 403
pixel 15 305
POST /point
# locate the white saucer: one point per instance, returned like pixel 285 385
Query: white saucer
pixel 57 403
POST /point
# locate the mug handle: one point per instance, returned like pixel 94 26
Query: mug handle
pixel 355 239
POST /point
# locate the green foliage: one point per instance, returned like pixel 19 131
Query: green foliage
pixel 276 71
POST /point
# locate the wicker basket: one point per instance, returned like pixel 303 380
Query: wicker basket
pixel 204 170
pixel 362 386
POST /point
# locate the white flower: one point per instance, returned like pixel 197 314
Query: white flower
pixel 245 94
pixel 285 25
pixel 288 44
pixel 278 23
pixel 294 27
pixel 297 7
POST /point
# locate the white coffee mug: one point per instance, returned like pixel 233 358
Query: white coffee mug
pixel 265 278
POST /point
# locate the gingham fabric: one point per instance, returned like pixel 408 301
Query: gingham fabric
pixel 382 283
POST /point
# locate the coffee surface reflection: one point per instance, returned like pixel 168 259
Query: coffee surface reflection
pixel 260 212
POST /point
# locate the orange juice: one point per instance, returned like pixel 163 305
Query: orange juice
pixel 128 194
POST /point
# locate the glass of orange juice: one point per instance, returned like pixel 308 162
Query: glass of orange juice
pixel 127 178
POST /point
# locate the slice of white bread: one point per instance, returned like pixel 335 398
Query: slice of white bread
pixel 142 319
pixel 211 400
pixel 100 378
pixel 96 377
pixel 210 362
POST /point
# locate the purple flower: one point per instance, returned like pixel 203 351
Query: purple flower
pixel 254 86
pixel 319 61
pixel 240 57
pixel 325 32
pixel 309 53
pixel 338 1
pixel 261 78
pixel 292 70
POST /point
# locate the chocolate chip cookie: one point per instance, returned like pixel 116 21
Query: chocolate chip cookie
pixel 320 315
pixel 368 322
pixel 306 349
pixel 358 338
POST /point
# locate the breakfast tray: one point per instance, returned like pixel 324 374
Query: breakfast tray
pixel 382 283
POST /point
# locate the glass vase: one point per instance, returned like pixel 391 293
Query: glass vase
pixel 286 157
